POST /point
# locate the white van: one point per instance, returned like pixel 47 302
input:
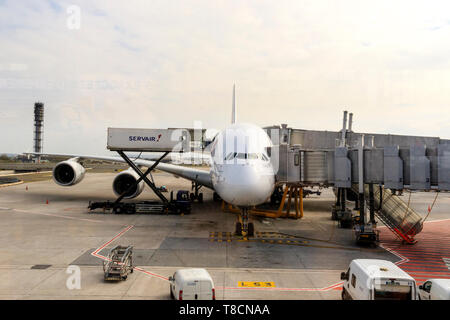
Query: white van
pixel 372 279
pixel 435 289
pixel 192 284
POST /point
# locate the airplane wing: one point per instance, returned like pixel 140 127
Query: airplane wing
pixel 199 176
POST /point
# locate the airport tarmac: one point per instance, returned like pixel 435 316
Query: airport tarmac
pixel 303 258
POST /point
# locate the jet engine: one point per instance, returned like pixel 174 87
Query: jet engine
pixel 124 180
pixel 68 173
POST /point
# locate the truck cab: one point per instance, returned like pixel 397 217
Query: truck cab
pixel 435 289
pixel 372 279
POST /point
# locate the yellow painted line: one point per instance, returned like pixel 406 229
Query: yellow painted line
pixel 256 284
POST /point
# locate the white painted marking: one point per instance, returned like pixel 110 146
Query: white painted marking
pixel 447 262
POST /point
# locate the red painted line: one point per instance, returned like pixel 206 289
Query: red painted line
pixel 425 253
pixel 151 274
pixel 428 272
pixel 427 268
pixel 432 277
pixel 95 254
pixel 430 263
pixel 424 271
pixel 117 236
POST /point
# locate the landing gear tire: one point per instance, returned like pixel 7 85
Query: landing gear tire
pixel 192 196
pixel 334 215
pixel 200 197
pixel 216 197
pixel 238 231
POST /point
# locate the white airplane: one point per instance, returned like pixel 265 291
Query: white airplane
pixel 241 171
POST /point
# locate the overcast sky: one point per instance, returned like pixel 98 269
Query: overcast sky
pixel 169 63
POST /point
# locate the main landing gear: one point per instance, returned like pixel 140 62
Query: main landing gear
pixel 243 227
pixel 196 195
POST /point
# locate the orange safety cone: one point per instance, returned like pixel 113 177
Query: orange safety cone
pixel 46 202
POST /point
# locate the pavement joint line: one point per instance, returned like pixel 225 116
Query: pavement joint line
pixel 11 184
pixel 53 215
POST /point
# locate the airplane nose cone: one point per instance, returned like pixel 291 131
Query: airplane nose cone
pixel 244 185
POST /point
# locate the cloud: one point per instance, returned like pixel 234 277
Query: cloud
pixel 166 64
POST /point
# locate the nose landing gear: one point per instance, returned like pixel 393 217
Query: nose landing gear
pixel 244 228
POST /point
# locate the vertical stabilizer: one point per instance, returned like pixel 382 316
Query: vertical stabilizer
pixel 233 111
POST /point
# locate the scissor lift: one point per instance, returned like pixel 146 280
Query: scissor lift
pixel 145 140
pixel 119 263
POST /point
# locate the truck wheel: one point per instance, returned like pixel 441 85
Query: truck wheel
pixel 200 197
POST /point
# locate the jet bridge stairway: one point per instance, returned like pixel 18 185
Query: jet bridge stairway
pixel 396 215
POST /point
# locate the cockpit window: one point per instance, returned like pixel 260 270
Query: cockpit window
pixel 244 156
pixel 230 156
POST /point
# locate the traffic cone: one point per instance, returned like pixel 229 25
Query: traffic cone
pixel 46 202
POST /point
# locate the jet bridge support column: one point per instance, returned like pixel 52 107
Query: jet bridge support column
pixel 363 230
pixel 371 204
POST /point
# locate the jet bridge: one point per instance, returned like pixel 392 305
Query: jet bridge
pixel 353 163
pixel 418 167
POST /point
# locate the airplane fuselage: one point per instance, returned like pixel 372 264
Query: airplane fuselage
pixel 241 171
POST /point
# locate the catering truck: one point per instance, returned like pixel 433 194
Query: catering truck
pixel 372 279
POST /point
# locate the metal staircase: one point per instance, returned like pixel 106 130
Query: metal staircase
pixel 396 215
